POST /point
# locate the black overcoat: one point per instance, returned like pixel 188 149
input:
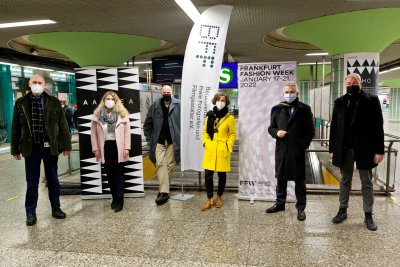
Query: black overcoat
pixel 290 150
pixel 367 129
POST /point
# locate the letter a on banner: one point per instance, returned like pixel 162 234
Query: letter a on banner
pixel 200 80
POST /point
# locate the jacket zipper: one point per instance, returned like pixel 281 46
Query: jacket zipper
pixel 30 131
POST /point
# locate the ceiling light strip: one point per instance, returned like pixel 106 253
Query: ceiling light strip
pixel 26 23
pixel 189 8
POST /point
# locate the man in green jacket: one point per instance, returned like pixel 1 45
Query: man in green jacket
pixel 40 131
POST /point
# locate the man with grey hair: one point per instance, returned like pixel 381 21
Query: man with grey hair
pixel 356 135
pixel 40 132
pixel 163 133
pixel 293 128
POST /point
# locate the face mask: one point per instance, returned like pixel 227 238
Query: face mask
pixel 37 89
pixel 63 106
pixel 289 98
pixel 220 105
pixel 167 97
pixel 109 104
pixel 353 89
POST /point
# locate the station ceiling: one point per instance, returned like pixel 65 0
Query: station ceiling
pixel 251 22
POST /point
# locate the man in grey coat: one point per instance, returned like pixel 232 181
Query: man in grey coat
pixel 163 133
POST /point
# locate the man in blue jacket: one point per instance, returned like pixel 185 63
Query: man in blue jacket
pixel 40 132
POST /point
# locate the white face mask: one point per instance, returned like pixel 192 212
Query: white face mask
pixel 220 105
pixel 109 104
pixel 289 98
pixel 37 89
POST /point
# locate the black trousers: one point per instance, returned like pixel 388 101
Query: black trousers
pixel 113 169
pixel 300 190
pixel 210 183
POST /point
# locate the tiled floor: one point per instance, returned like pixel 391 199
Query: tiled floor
pixel 179 234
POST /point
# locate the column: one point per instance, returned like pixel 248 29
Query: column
pixel 7 100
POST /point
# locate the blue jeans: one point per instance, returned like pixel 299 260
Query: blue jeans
pixel 32 172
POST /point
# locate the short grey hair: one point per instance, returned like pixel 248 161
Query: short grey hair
pixel 355 76
pixel 37 75
pixel 294 86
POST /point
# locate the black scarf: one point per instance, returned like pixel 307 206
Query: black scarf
pixel 111 121
pixel 212 116
pixel 37 120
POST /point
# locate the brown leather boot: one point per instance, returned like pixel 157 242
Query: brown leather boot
pixel 208 204
pixel 218 203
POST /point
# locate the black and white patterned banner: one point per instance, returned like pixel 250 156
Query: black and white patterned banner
pixel 91 84
pixel 367 66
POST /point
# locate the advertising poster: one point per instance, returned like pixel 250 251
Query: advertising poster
pixel 367 66
pixel 260 88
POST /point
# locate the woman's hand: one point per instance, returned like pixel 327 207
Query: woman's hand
pixel 97 154
pixel 126 153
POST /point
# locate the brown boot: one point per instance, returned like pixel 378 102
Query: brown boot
pixel 218 203
pixel 208 204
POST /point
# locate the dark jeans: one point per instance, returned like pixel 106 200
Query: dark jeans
pixel 300 190
pixel 32 172
pixel 114 170
pixel 210 182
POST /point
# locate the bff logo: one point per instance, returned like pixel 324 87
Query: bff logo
pixel 209 34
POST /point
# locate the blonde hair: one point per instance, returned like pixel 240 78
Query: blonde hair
pixel 119 107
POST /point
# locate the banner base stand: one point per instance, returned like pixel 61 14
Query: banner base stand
pixel 182 196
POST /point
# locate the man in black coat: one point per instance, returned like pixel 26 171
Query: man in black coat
pixel 356 136
pixel 293 128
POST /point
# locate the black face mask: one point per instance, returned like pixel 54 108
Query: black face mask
pixel 166 98
pixel 353 89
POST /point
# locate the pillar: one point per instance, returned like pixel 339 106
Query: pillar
pixel 7 97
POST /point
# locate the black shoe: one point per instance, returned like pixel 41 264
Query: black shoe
pixel 301 215
pixel 340 216
pixel 275 208
pixel 113 204
pixel 162 198
pixel 58 214
pixel 30 219
pixel 119 205
pixel 369 221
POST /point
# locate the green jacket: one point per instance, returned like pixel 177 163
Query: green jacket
pixel 55 121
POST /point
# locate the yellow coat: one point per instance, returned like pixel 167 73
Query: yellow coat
pixel 217 152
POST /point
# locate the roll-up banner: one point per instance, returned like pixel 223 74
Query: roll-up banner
pixel 260 88
pixel 367 66
pixel 91 84
pixel 200 80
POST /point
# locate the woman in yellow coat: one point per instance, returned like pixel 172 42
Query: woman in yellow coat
pixel 219 136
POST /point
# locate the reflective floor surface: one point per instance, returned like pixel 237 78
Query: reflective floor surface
pixel 179 234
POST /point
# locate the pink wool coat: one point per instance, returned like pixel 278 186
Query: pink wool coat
pixel 122 137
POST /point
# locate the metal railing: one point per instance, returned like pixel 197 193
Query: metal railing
pixel 385 172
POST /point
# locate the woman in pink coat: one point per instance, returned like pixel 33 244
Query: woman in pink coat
pixel 111 142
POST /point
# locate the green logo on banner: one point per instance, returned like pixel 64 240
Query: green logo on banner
pixel 226 75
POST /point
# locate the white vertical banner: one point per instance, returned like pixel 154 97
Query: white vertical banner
pixel 260 88
pixel 200 80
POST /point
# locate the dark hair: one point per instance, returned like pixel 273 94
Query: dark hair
pixel 218 96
